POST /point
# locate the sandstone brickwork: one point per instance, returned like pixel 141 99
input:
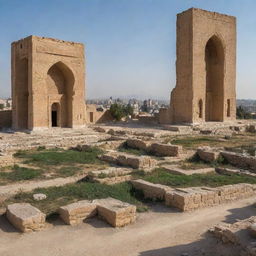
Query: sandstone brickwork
pixel 136 162
pixel 239 234
pixel 161 149
pixel 240 160
pixel 48 83
pixel 151 190
pixel 115 212
pixel 25 217
pixel 76 213
pixel 187 199
pixel 205 68
pixel 208 154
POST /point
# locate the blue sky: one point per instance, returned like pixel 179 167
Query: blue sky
pixel 130 44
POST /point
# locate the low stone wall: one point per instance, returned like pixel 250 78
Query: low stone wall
pixel 239 233
pixel 151 190
pixel 136 162
pixel 207 154
pixel 137 144
pixel 236 159
pixel 158 149
pixel 187 199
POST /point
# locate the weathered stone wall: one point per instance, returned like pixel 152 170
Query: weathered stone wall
pixel 205 68
pixel 48 75
pixel 236 159
pixel 186 199
pixel 94 116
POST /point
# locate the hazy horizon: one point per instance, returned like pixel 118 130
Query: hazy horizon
pixel 130 44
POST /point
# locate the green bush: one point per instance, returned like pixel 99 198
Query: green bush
pixel 119 111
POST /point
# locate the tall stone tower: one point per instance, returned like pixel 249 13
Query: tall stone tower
pixel 205 68
pixel 48 83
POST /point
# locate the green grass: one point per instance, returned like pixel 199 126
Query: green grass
pixel 60 156
pixel 20 173
pixel 212 179
pixel 191 142
pixel 59 196
pixel 67 171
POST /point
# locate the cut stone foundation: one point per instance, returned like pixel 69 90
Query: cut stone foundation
pixel 136 162
pixel 187 199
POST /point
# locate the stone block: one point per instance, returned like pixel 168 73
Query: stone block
pixel 160 149
pixel 76 213
pixel 137 144
pixel 150 190
pixel 25 217
pixel 240 160
pixel 207 154
pixel 115 212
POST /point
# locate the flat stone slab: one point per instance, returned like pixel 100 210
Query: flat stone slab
pixel 176 170
pixel 76 213
pixel 116 212
pixel 25 217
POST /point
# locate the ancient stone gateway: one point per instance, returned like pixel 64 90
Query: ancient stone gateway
pixel 48 83
pixel 205 68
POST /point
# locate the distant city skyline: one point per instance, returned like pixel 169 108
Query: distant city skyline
pixel 130 44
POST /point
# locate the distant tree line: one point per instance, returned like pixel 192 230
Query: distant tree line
pixel 241 113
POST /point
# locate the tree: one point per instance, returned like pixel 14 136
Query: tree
pixel 119 111
pixel 241 113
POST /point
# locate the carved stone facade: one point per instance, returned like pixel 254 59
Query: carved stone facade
pixel 48 83
pixel 205 68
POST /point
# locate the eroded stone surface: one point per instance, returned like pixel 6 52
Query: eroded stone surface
pixel 161 149
pixel 151 190
pixel 208 154
pixel 116 212
pixel 136 162
pixel 75 213
pixel 25 217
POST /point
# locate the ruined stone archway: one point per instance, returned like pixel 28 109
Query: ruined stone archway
pixel 60 83
pixel 214 65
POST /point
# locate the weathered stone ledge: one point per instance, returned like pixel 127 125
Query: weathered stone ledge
pixel 186 199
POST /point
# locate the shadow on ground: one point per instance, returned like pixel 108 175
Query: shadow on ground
pixel 207 246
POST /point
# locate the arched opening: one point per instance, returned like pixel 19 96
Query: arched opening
pixel 228 107
pixel 200 106
pixel 55 115
pixel 214 62
pixel 60 82
pixel 22 94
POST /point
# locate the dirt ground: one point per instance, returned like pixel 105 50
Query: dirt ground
pixel 160 232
